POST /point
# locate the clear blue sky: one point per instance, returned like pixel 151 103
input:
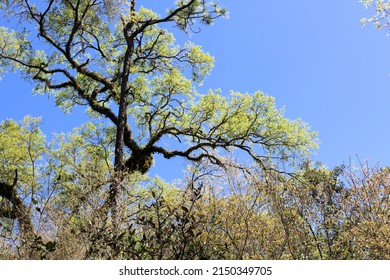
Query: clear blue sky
pixel 314 57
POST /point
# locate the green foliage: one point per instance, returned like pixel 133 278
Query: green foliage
pixel 130 60
pixel 249 192
pixel 249 121
pixel 381 14
pixel 212 213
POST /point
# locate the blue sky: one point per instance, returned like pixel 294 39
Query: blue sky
pixel 314 57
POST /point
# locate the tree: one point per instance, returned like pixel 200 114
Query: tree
pixel 367 211
pixel 119 61
pixel 54 208
pixel 21 150
pixel 381 15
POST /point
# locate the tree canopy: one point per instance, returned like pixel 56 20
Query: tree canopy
pixel 121 62
pixel 381 15
pixel 127 69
